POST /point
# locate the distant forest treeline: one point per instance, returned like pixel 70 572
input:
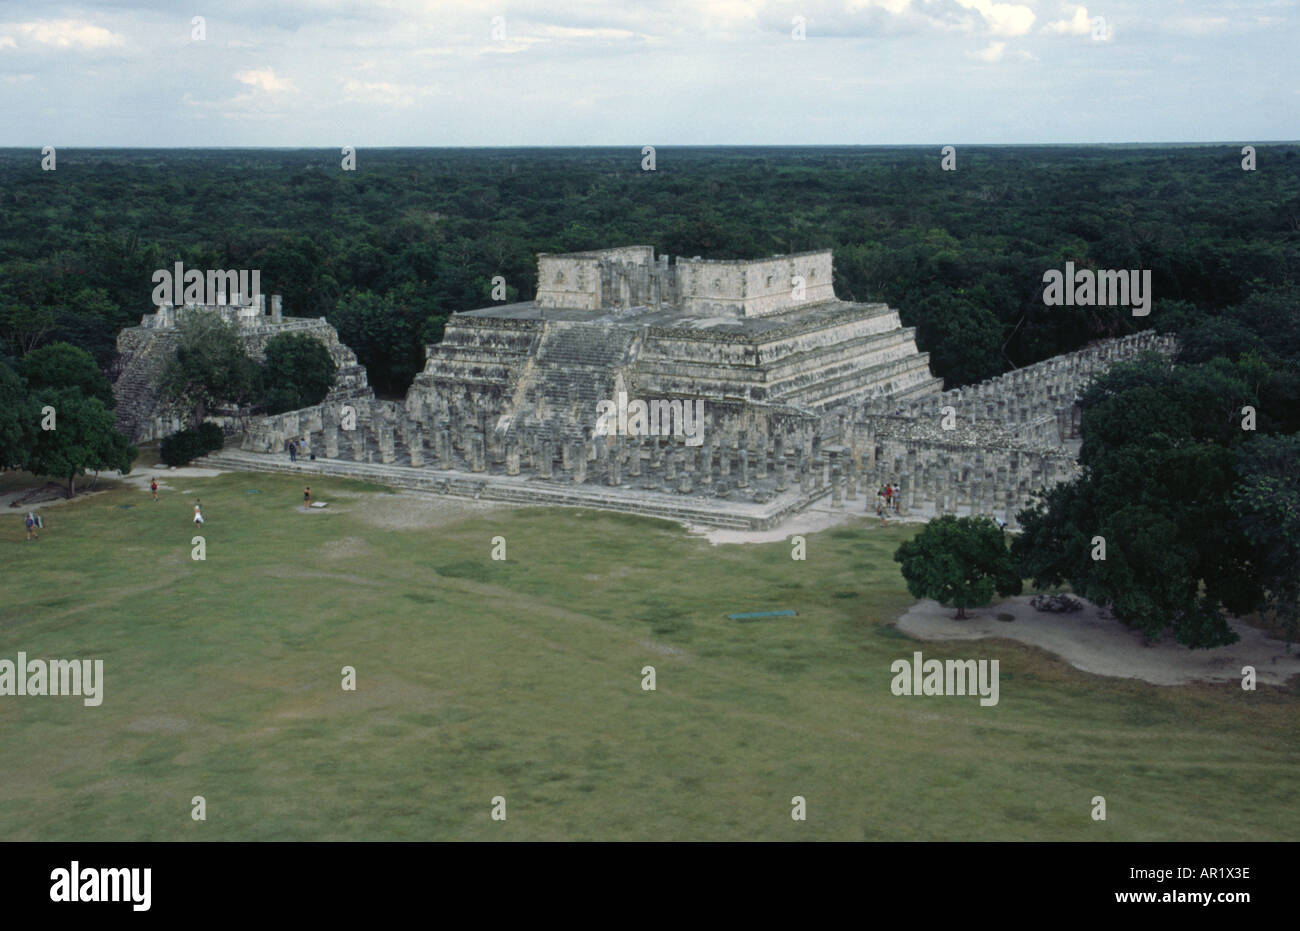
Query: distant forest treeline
pixel 388 251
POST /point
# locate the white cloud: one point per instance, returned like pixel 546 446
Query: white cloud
pixel 991 54
pixel 1004 19
pixel 1078 25
pixel 67 33
pixel 264 79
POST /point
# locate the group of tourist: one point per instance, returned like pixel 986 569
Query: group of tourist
pixel 887 498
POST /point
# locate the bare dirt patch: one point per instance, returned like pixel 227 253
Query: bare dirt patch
pixel 345 548
pixel 812 520
pixel 291 572
pixel 1095 643
pixel 159 724
pixel 140 477
pixel 406 511
pixel 7 499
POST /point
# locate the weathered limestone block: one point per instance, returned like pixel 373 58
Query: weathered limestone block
pixel 615 470
pixel 445 460
pixel 415 445
pixel 546 462
pixel 579 457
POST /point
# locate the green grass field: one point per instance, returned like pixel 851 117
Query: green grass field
pixel 522 678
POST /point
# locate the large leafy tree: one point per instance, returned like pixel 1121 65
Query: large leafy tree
pixel 84 436
pixel 298 372
pixel 62 365
pixel 1158 475
pixel 90 319
pixel 959 562
pixel 22 325
pixel 209 368
pixel 1267 500
pixel 387 332
pixel 13 416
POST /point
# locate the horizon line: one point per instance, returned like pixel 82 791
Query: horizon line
pixel 691 145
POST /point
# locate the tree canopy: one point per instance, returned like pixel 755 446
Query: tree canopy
pixel 959 562
pixel 298 372
pixel 83 436
pixel 62 365
pixel 210 367
pixel 1177 475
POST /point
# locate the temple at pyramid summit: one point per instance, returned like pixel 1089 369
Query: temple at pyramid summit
pixel 745 392
pixel 753 339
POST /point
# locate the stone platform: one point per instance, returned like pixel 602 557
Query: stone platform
pixel 704 510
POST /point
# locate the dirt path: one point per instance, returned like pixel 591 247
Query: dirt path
pixel 408 511
pixel 812 520
pixel 1103 646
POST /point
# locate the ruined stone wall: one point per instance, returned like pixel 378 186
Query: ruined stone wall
pixel 712 287
pixel 568 281
pixel 986 448
pixel 143 351
pixel 631 276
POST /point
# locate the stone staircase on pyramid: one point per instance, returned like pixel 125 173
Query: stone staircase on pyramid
pixel 575 366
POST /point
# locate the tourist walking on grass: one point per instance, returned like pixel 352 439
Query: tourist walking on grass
pixel 306 497
pixel 198 515
pixel 30 521
pixel 153 487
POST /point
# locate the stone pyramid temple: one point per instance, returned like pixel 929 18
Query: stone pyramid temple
pixel 796 396
pixel 756 341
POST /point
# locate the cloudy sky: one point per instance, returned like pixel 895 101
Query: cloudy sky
pixel 636 72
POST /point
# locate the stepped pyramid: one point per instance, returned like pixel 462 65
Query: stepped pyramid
pixel 756 335
pixel 798 397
